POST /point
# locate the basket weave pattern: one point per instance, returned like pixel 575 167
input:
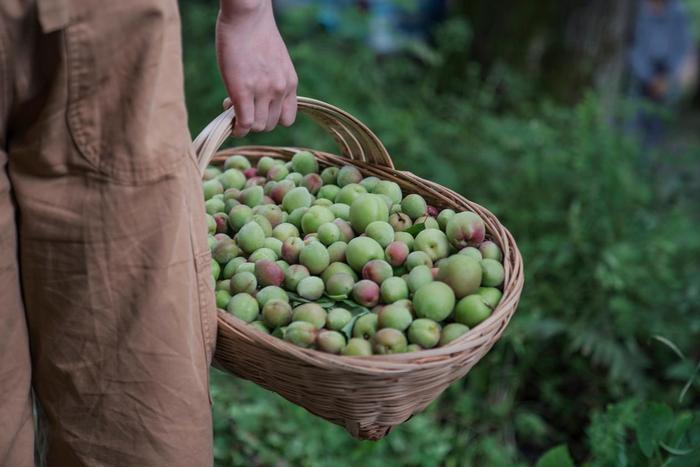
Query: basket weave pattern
pixel 368 396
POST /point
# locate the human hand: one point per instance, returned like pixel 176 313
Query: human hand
pixel 258 74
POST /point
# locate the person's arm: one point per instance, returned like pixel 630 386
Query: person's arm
pixel 258 74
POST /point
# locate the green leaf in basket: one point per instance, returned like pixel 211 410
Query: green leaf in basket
pixel 296 299
pixel 347 329
pixel 354 308
pixel 337 298
pixel 415 229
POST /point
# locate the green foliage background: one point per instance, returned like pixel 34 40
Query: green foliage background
pixel 611 252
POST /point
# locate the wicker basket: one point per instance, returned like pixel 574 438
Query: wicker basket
pixel 366 395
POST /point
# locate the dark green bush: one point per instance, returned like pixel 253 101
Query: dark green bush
pixel 609 265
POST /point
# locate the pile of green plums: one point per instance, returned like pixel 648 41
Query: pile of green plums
pixel 331 260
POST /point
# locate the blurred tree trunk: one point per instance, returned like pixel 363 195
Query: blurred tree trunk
pixel 567 44
pixel 602 31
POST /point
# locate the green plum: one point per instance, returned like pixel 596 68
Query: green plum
pixel 451 332
pixel 311 313
pixel 271 292
pixel 434 300
pixel 315 257
pixel 493 273
pixel 366 209
pixel 243 282
pixel 301 333
pixel 380 231
pixel 472 310
pixel 491 295
pixel 330 341
pixel 347 175
pixel 361 250
pixel 394 316
pixel 389 341
pixel 329 175
pixel 357 347
pixel 310 288
pixel 462 273
pixel 294 274
pixel 393 289
pixel 276 313
pixel 296 198
pixel 418 277
pixel 304 162
pixel 338 318
pixel 244 306
pixel 414 206
pixel 237 162
pixel 424 332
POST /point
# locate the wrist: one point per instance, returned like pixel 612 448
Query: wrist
pixel 231 10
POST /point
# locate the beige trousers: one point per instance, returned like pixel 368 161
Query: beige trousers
pixel 106 303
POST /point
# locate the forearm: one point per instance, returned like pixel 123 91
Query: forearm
pixel 233 9
pixel 255 66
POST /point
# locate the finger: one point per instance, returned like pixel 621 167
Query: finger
pixel 289 109
pixel 273 114
pixel 278 89
pixel 227 103
pixel 262 107
pixel 245 114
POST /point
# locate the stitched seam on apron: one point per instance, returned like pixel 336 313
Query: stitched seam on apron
pixel 78 88
pixel 202 273
pixel 201 260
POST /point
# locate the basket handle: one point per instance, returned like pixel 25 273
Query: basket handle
pixel 356 141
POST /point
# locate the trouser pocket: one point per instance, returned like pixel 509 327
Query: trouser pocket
pixel 125 87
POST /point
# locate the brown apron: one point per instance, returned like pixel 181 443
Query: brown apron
pixel 106 303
